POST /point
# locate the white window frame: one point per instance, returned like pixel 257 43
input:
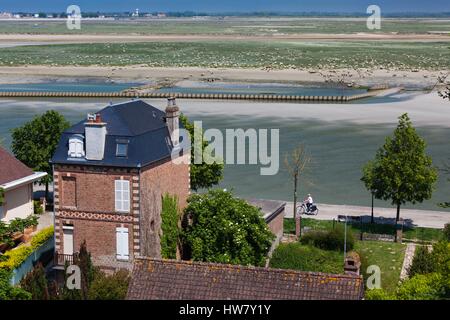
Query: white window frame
pixel 122 244
pixel 122 195
pixel 76 147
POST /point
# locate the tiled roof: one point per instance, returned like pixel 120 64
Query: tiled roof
pixel 11 169
pixel 136 121
pixel 184 280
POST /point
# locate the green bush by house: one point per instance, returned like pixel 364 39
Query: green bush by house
pixel 225 229
pixel 14 258
pixel 169 227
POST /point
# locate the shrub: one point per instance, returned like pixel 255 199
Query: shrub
pixel 447 232
pixel 37 207
pixel 422 287
pixel 169 227
pixel 8 292
pixel 330 240
pixel 14 258
pixel 379 294
pixel 306 258
pixel 422 262
pixel 112 287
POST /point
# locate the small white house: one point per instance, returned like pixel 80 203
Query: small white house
pixel 16 181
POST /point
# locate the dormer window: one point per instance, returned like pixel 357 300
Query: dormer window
pixel 122 148
pixel 76 146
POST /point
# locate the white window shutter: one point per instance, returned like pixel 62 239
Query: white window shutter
pixel 122 243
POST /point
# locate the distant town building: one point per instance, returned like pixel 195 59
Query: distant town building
pixel 110 173
pixel 5 15
pixel 135 13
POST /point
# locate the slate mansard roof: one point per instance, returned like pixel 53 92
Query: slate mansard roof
pixel 137 122
pixel 186 280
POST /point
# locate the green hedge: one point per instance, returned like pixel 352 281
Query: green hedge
pixel 169 227
pixel 14 258
pixel 330 240
pixel 307 258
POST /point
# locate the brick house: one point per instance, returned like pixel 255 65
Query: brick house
pixel 110 172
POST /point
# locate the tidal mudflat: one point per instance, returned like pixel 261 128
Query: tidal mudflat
pixel 339 137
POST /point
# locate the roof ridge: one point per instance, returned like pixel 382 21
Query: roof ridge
pixel 250 268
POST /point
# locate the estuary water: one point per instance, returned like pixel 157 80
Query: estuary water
pixel 340 138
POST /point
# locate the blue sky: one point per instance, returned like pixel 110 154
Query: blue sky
pixel 228 5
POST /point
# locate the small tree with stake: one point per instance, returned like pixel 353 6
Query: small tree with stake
pixel 296 164
pixel 401 171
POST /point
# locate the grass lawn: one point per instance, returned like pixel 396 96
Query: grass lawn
pixel 307 258
pixel 423 234
pixel 387 255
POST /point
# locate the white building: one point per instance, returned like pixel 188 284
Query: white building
pixel 16 181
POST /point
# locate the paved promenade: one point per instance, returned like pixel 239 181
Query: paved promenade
pixel 420 218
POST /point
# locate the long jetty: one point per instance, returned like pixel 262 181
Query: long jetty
pixel 224 96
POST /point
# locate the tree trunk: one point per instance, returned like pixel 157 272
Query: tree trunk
pixel 296 219
pixel 372 220
pixel 397 219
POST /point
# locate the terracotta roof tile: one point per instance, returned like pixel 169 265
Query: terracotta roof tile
pixel 175 280
pixel 11 169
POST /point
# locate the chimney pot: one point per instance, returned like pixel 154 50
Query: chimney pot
pixel 172 120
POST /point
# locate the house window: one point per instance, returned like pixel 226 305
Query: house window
pixel 122 251
pixel 122 149
pixel 122 189
pixel 76 147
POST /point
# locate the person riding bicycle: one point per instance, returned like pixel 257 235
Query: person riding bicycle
pixel 309 202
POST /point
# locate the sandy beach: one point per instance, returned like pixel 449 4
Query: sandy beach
pixel 415 79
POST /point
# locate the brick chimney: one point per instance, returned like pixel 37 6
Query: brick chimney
pixel 173 119
pixel 95 137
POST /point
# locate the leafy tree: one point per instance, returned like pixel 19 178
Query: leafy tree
pixel 202 175
pixel 169 226
pixel 35 142
pixel 401 171
pixel 369 182
pixel 36 283
pixel 225 229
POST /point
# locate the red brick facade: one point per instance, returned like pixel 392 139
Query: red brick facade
pixel 85 200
